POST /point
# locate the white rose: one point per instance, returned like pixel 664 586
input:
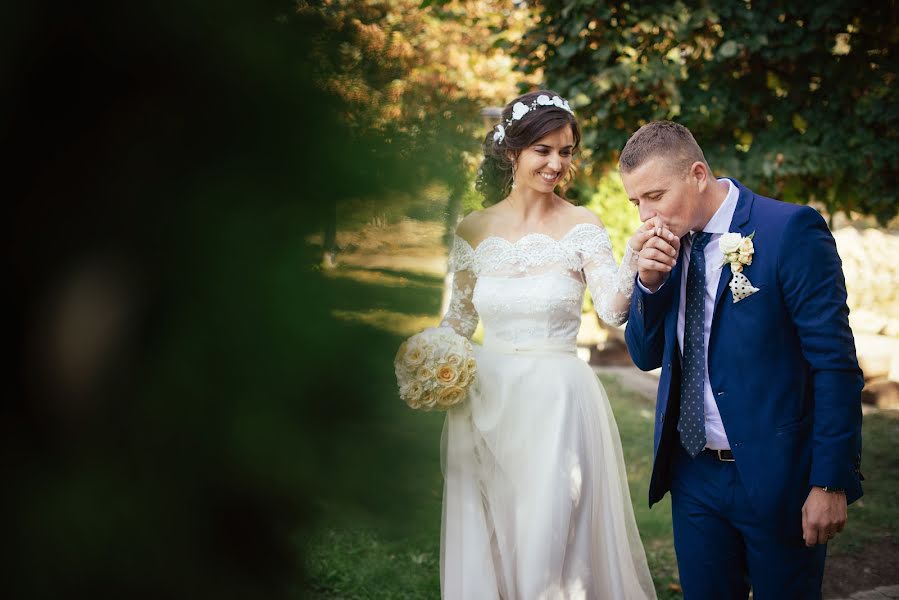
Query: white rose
pixel 464 379
pixel 746 246
pixel 427 400
pixel 424 373
pixel 447 374
pixel 450 396
pixel 414 356
pixel 455 359
pixel 730 242
pixel 543 100
pixel 412 391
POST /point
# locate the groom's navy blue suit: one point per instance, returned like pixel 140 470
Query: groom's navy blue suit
pixel 784 375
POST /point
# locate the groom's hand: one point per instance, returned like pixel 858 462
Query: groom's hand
pixel 658 256
pixel 823 516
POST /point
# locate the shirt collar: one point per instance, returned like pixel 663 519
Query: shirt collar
pixel 720 221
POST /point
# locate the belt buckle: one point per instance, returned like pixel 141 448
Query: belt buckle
pixel 721 458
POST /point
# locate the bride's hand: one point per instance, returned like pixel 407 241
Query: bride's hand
pixel 651 228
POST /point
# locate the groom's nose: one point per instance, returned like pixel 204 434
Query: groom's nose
pixel 646 214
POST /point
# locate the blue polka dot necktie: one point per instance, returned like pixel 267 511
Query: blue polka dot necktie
pixel 691 424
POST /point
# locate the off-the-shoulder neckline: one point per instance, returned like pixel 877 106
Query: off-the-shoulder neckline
pixel 570 231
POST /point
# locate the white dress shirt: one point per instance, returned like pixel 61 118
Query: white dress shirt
pixel 718 225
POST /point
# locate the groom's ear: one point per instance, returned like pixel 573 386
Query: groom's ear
pixel 699 173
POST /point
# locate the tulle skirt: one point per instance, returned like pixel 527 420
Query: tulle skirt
pixel 536 504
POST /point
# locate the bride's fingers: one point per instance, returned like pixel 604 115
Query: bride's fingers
pixel 654 224
pixel 649 230
pixel 657 227
pixel 641 237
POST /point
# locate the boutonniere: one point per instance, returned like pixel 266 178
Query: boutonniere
pixel 738 251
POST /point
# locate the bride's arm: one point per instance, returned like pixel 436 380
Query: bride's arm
pixel 611 285
pixel 461 315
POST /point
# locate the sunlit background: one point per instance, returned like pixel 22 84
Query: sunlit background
pixel 226 217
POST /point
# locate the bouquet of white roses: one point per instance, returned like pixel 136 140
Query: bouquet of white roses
pixel 434 369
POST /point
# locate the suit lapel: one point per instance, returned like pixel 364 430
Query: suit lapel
pixel 738 224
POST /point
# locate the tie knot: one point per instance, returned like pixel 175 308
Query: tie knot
pixel 700 241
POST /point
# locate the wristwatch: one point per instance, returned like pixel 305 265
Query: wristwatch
pixel 832 490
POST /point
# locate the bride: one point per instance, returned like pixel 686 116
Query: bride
pixel 536 504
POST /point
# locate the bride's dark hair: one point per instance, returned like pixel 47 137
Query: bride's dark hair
pixel 494 180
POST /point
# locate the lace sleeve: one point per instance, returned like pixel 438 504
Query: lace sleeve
pixel 610 285
pixel 461 315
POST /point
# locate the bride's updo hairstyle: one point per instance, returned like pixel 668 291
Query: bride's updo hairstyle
pixel 524 121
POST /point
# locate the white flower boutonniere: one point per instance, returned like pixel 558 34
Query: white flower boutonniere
pixel 738 251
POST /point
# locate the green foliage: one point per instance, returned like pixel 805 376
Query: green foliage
pixel 619 216
pixel 796 102
pixel 412 76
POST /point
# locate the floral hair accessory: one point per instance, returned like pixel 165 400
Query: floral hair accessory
pixel 520 109
pixel 499 134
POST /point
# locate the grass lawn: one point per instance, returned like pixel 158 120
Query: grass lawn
pixel 356 557
pixel 386 543
pixel 382 540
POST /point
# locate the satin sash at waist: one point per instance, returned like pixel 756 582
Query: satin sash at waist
pixel 531 347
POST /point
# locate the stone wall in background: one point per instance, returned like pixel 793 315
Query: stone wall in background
pixel 871 265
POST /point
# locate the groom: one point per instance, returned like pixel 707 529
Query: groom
pixel 758 419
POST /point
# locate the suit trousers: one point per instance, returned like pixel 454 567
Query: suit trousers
pixel 723 547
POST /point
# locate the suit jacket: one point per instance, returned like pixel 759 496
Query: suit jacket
pixel 781 363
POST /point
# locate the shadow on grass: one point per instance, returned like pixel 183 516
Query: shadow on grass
pixel 351 294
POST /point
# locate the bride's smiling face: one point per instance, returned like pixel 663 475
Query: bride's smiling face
pixel 542 165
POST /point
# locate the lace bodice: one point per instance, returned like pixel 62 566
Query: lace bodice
pixel 532 289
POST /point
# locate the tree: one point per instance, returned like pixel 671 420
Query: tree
pixel 793 99
pixel 414 79
pixel 410 82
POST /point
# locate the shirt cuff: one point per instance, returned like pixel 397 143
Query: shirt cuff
pixel 645 290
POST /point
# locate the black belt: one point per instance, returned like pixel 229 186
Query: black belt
pixel 722 455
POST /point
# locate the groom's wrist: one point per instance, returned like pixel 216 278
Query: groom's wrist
pixel 648 290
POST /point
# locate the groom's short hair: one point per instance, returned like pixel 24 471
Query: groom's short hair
pixel 665 139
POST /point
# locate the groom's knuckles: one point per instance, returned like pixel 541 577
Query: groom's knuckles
pixel 657 255
pixel 662 246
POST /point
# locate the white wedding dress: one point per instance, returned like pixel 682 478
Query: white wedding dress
pixel 536 504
